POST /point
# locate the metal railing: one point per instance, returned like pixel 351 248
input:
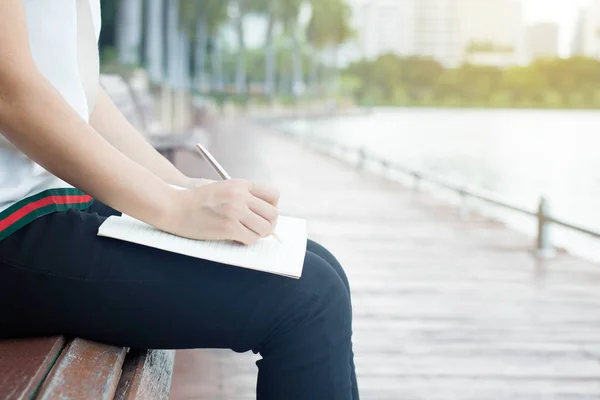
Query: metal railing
pixel 544 247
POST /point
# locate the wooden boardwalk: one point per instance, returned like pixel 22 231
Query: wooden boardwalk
pixel 443 309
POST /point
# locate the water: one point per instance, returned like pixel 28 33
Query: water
pixel 517 154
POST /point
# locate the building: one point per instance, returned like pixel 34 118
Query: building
pixel 446 30
pixel 587 32
pixel 581 44
pixel 481 32
pixel 384 26
pixel 577 42
pixel 492 32
pixel 438 31
pixel 541 41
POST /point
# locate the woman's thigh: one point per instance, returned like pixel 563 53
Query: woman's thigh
pixel 58 277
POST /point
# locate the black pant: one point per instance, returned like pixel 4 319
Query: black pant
pixel 58 277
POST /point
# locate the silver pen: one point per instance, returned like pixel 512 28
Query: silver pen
pixel 218 169
pixel 213 163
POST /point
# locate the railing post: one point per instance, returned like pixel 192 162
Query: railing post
pixel 385 168
pixel 463 208
pixel 544 244
pixel 416 180
pixel 362 157
pixel 319 145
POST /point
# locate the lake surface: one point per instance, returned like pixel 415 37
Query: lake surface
pixel 517 154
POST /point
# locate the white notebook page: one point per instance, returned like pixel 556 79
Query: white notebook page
pixel 268 255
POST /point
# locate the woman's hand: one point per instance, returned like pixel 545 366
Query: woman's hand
pixel 235 209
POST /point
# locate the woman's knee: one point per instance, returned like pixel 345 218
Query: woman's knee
pixel 322 252
pixel 314 310
pixel 323 282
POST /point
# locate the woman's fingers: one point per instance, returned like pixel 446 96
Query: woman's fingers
pixel 264 210
pixel 249 209
pixel 256 223
pixel 246 235
pixel 265 192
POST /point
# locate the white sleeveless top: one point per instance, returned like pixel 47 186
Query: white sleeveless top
pixel 63 36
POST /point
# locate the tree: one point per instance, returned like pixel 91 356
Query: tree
pixel 329 26
pixel 525 83
pixel 129 31
pixel 290 14
pixel 202 20
pixel 154 40
pixel 286 13
pixel 269 86
pixel 238 11
pixel 330 23
pixel 177 48
pixel 271 9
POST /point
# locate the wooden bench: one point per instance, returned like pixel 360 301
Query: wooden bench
pixel 61 368
pixel 134 99
pixel 56 368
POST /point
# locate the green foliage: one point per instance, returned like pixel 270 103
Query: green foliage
pixel 203 21
pixel 577 99
pixel 502 99
pixel 211 12
pixel 329 24
pixel 349 84
pixel 288 11
pixel 109 55
pixel 549 83
pixel 552 99
pixel 401 97
pixel 596 99
pixel 488 47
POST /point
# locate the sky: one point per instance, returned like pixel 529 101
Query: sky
pixel 552 10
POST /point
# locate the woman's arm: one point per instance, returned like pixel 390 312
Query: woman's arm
pixel 38 121
pixel 108 120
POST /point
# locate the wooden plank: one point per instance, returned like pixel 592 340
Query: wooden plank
pixel 146 375
pixel 25 363
pixel 85 370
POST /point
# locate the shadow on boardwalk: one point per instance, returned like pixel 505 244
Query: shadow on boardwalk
pixel 443 309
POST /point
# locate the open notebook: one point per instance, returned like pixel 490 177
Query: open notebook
pixel 269 255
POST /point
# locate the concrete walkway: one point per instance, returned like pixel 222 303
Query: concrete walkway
pixel 443 309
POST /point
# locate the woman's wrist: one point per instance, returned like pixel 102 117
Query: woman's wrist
pixel 169 201
pixel 186 182
pixel 199 182
pixel 179 180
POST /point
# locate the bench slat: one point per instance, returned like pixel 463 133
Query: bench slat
pixel 146 375
pixel 24 365
pixel 85 370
